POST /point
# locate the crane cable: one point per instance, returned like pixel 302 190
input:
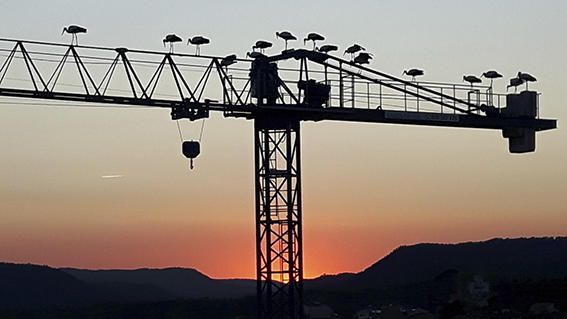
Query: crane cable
pixel 200 133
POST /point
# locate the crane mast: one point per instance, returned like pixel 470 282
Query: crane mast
pixel 277 97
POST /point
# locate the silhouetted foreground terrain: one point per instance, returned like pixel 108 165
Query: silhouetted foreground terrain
pixel 446 280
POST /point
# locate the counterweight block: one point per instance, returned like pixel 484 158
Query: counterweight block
pixel 522 105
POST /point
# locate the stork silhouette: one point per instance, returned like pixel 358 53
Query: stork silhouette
pixel 74 30
pixel 313 37
pixel 353 49
pixel 413 73
pixel 327 48
pixel 197 41
pixel 261 45
pixel 286 36
pixel 171 39
pixel 526 77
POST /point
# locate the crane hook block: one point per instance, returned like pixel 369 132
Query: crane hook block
pixel 191 149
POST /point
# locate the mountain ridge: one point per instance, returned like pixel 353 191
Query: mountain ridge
pixel 537 258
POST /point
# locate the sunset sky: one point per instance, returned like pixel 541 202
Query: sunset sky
pixel 367 188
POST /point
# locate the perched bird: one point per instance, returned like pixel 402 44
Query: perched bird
pixel 313 37
pixel 171 39
pixel 491 75
pixel 261 45
pixel 354 49
pixel 363 58
pixel 327 48
pixel 73 30
pixel 197 41
pixel 228 60
pixel 526 77
pixel 286 36
pixel 515 82
pixel 471 79
pixel 413 73
pixel 255 55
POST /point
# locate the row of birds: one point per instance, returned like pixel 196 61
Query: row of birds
pixel 362 58
pixel 258 48
pixel 520 79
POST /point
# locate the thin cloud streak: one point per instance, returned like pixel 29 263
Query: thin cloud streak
pixel 111 176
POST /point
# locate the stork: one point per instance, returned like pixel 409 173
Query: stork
pixel 471 79
pixel 515 82
pixel 255 55
pixel 171 39
pixel 413 73
pixel 286 36
pixel 363 58
pixel 491 75
pixel 354 49
pixel 261 45
pixel 197 41
pixel 313 37
pixel 73 30
pixel 327 48
pixel 228 60
pixel 526 77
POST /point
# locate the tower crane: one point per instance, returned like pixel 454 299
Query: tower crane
pixel 277 98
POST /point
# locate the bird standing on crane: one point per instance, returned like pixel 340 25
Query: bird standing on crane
pixel 171 39
pixel 491 75
pixel 471 79
pixel 261 45
pixel 327 48
pixel 363 58
pixel 313 37
pixel 413 73
pixel 526 77
pixel 353 49
pixel 74 30
pixel 515 82
pixel 197 41
pixel 228 60
pixel 286 36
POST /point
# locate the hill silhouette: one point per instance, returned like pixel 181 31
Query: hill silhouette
pixel 495 259
pixel 424 267
pixel 184 283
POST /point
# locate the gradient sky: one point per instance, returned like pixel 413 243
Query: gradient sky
pixel 367 188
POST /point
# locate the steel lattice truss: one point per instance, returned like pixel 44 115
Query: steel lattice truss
pixel 278 219
pixel 194 85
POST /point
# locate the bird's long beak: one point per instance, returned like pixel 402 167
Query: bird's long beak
pixel 64 29
pixel 163 43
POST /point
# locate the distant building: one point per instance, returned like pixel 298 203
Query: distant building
pixel 479 291
pixel 368 313
pixel 318 311
pixel 543 308
pixel 394 312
